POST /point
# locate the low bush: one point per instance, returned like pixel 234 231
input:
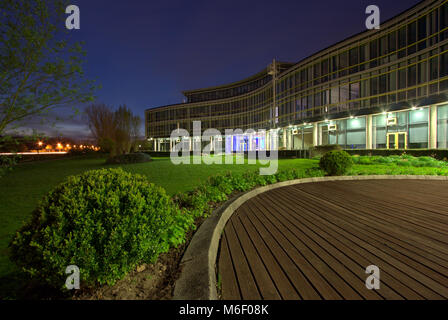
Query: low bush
pixel 318 151
pixel 108 221
pixel 129 158
pixel 404 160
pixel 104 221
pixel 336 163
pixel 7 163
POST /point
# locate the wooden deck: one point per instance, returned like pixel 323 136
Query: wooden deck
pixel 314 241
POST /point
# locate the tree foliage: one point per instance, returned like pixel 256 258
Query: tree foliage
pixel 117 131
pixel 39 68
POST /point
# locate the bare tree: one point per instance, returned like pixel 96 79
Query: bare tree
pixel 135 130
pixel 102 124
pixel 117 131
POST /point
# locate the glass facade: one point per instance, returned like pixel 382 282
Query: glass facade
pixel 389 74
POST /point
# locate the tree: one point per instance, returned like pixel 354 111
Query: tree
pixel 127 130
pixel 39 69
pixel 101 120
pixel 116 132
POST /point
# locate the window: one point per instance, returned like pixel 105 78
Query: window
pixel 343 63
pixel 402 78
pixel 354 60
pixel 444 21
pixel 384 49
pixel 412 76
pixel 433 69
pixel 422 70
pixel 422 33
pixel 418 128
pixel 402 42
pixel 354 91
pixel 412 37
pixel 444 65
pixel 373 53
pixel 356 133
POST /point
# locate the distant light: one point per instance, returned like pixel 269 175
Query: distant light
pixel 352 117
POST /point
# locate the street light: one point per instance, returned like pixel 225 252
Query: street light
pixel 40 143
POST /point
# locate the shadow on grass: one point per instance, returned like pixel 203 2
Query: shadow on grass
pixel 18 286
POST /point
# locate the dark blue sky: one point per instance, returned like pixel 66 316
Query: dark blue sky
pixel 145 52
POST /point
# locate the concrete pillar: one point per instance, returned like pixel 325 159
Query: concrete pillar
pixel 315 135
pixel 433 128
pixel 289 147
pixel 285 144
pixel 369 132
pixel 155 145
pixel 191 143
pixel 267 142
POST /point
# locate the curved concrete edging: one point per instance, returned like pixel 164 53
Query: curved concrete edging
pixel 198 277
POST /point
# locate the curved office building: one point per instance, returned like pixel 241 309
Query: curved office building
pixel 379 89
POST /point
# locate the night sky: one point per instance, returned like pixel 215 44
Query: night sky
pixel 145 52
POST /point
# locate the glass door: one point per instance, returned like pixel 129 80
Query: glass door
pixel 397 140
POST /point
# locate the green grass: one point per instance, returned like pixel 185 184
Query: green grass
pixel 21 189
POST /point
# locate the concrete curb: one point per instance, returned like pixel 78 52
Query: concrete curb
pixel 198 277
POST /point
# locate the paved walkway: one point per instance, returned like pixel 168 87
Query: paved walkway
pixel 314 241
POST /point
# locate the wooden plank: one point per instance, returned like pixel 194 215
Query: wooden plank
pixel 287 263
pixel 246 281
pixel 352 273
pixel 314 241
pixel 229 284
pixel 420 252
pixel 360 254
pixel 264 282
pixel 346 256
pixel 346 227
pixel 418 217
pixel 307 267
pixel 283 283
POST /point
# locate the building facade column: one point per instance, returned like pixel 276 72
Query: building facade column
pixel 369 132
pixel 315 135
pixel 285 143
pixel 267 141
pixel 290 139
pixel 433 128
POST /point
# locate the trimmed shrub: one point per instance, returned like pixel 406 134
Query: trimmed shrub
pixel 7 163
pixel 129 158
pixel 336 163
pixel 319 151
pixel 104 221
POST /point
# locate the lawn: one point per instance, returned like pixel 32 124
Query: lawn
pixel 21 189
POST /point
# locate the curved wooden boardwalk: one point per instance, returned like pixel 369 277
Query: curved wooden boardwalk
pixel 314 241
